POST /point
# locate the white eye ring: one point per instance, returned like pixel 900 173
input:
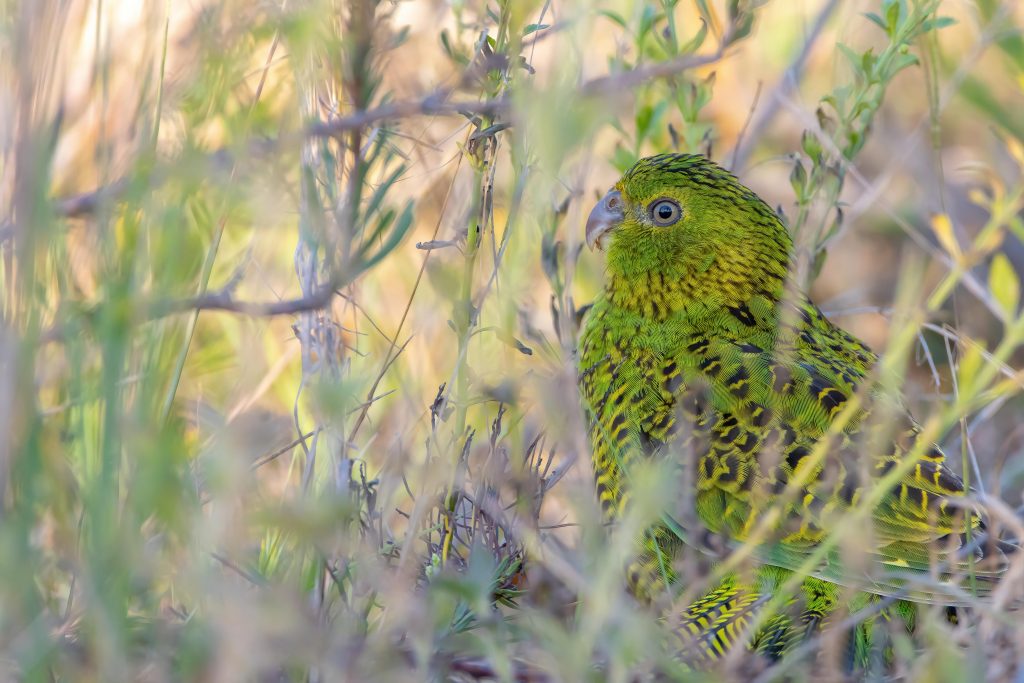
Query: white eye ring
pixel 665 212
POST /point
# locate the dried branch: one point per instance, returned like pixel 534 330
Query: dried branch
pixel 221 300
pixel 436 103
pixel 789 81
pixel 87 203
pixel 480 669
pixel 626 80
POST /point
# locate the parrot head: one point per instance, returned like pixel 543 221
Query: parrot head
pixel 689 222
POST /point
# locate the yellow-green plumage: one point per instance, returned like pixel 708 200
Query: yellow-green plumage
pixel 697 350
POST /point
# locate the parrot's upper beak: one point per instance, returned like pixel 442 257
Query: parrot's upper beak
pixel 606 215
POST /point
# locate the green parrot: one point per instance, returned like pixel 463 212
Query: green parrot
pixel 700 349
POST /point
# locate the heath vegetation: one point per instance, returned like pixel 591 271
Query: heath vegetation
pixel 290 294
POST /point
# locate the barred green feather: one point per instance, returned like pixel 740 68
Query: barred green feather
pixel 698 349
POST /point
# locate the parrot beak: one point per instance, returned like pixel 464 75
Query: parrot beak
pixel 606 215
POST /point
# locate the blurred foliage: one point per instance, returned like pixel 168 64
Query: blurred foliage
pixel 290 395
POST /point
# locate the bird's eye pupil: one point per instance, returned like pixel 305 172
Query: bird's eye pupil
pixel 665 212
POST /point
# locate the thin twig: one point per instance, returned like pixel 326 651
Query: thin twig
pixel 254 579
pixel 224 301
pixel 746 125
pixel 480 669
pixel 393 342
pixel 627 80
pixel 432 104
pixel 88 203
pixel 270 457
pixel 776 98
pixel 221 300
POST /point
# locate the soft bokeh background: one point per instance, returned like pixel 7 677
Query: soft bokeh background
pixel 356 491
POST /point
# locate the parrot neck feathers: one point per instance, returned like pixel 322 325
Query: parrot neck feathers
pixel 708 281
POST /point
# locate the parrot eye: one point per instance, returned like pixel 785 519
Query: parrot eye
pixel 665 212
